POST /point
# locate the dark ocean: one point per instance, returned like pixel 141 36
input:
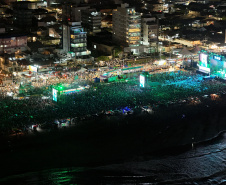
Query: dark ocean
pixel 203 164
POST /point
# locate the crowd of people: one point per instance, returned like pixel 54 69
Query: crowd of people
pixel 101 97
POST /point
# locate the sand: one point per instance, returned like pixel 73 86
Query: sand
pixel 115 139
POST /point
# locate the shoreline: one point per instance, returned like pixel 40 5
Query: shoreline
pixel 102 142
pixel 91 169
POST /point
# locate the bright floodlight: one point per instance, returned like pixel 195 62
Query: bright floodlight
pixel 54 93
pixel 142 81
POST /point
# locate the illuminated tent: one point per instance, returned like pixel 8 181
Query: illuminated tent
pixel 185 54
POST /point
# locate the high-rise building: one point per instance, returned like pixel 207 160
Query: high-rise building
pixel 23 13
pixel 127 28
pixel 75 41
pixel 90 18
pixel 72 12
pixel 91 21
pixel 150 33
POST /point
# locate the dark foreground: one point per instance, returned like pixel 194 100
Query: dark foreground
pixel 112 140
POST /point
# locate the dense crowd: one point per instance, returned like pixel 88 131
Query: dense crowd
pixel 101 97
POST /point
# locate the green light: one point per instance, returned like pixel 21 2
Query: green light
pixel 60 87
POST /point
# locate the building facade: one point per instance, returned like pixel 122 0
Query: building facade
pixel 23 13
pixel 12 44
pixel 75 41
pixel 90 18
pixel 72 12
pixel 150 33
pixel 91 21
pixel 127 28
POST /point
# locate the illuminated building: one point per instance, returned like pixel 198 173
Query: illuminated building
pixel 127 28
pixel 13 43
pixel 90 18
pixel 150 33
pixel 157 7
pixel 75 42
pixel 91 21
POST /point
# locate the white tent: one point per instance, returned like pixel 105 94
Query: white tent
pixel 82 70
pixel 185 52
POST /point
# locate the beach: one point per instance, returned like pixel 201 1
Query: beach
pixel 113 140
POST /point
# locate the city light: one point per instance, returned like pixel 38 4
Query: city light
pixel 112 92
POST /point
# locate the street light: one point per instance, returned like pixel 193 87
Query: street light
pixel 160 53
pixel 170 46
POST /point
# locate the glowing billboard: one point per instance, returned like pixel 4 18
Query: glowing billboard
pixel 217 65
pixel 203 58
pixel 204 65
pixel 69 91
pixel 54 93
pixel 33 68
pixel 142 81
pixel 213 64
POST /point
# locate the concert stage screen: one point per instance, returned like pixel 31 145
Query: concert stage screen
pixel 217 65
pixel 204 65
pixel 142 81
pixel 54 93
